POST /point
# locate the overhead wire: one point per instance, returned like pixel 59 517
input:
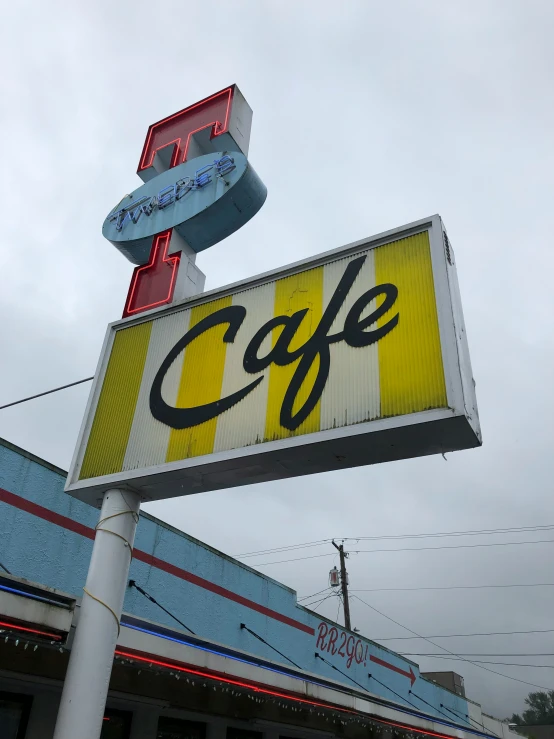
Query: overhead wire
pixel 451 636
pixel 338 609
pixel 307 597
pixel 285 548
pixel 408 549
pixel 455 587
pixel 481 667
pixel 480 654
pixel 46 392
pixel 472 532
pixel 317 600
pixel 487 662
pixel 321 602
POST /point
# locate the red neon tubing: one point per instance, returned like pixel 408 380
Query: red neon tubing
pixel 30 631
pixel 165 236
pixel 143 165
pixel 265 691
pixel 227 680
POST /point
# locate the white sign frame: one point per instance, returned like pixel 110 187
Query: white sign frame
pixel 394 438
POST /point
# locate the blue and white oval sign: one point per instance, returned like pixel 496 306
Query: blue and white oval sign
pixel 205 199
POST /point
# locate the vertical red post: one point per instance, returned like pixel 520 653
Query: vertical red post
pixel 153 284
pixel 167 145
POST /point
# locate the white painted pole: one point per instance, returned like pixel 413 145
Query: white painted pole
pixel 90 663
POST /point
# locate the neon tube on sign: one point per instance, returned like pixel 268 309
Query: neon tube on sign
pixel 171 194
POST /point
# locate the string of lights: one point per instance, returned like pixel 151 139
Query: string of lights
pixel 241 690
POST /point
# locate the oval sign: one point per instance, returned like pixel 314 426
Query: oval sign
pixel 205 199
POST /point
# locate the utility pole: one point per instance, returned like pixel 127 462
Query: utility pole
pixel 344 584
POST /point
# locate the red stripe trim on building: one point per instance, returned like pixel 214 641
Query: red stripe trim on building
pixel 45 513
pixel 78 528
pixel 218 590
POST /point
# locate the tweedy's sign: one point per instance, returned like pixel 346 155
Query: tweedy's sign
pixel 354 357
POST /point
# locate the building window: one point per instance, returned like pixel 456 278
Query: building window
pixel 116 724
pixel 174 728
pixel 14 715
pixel 233 733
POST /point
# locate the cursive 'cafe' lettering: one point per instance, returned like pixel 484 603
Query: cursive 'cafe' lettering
pixel 356 333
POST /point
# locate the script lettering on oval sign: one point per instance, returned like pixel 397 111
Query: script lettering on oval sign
pixel 316 349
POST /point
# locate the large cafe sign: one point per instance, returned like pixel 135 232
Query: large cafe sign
pixel 354 357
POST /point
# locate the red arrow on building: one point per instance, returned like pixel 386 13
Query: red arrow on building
pixel 410 675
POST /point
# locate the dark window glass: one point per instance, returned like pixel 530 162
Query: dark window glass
pixel 14 715
pixel 174 728
pixel 116 724
pixel 233 733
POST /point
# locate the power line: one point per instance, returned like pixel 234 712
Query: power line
pixel 409 549
pixel 338 609
pixel 307 597
pixel 481 667
pixel 487 662
pixel 471 532
pixel 480 654
pixel 47 392
pixel 477 532
pixel 451 636
pixel 313 607
pixel 455 587
pixel 287 548
pixel 457 546
pixel 296 559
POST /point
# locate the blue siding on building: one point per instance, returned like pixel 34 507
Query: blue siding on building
pixel 47 553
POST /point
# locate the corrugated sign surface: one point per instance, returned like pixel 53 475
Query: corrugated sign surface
pixel 389 366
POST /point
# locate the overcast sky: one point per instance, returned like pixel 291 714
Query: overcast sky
pixel 367 115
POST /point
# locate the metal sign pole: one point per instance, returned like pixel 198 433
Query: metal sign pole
pixel 90 664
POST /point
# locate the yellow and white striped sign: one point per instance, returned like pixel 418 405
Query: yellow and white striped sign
pixel 393 365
